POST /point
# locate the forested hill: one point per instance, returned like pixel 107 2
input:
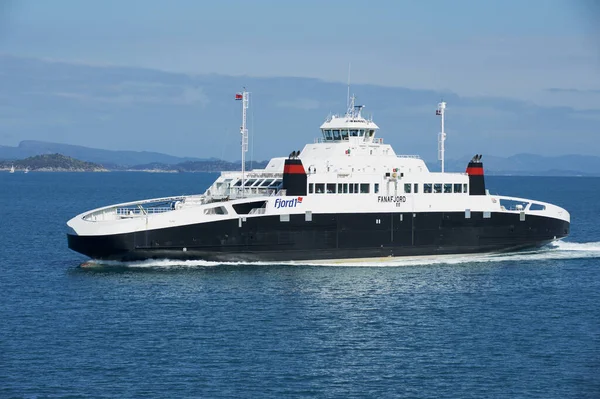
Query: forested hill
pixel 53 163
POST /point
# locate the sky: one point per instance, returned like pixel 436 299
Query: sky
pixel 541 52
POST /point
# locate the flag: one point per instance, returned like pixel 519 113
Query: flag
pixel 238 96
pixel 438 112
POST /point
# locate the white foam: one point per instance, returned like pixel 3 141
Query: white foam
pixel 556 250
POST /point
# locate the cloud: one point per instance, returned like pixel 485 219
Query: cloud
pixel 132 93
pixel 300 103
pixel 135 108
pixel 571 90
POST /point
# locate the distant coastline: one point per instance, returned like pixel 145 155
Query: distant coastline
pixel 86 159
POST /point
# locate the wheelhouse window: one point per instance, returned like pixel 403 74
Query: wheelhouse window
pixel 458 188
pixel 364 188
pixel 336 134
pixel 416 190
pixel 320 188
pixel 353 133
pixel 427 188
pixel 361 133
pixel 330 188
pixel 342 188
pixel 448 188
pixel 407 188
pixel 371 133
pixel 437 188
pixel 344 135
pixel 327 134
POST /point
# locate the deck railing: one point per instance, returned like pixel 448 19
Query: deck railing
pixel 131 212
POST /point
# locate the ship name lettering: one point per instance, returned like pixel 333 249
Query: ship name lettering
pixel 392 198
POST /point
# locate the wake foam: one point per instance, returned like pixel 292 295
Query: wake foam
pixel 554 251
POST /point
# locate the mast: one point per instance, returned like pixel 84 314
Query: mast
pixel 441 111
pixel 244 132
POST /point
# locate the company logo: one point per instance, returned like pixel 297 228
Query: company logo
pixel 291 203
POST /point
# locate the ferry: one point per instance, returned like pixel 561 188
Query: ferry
pixel 346 196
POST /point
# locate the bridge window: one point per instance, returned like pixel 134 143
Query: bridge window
pixel 416 190
pixel 371 133
pixel 344 135
pixel 336 134
pixel 407 188
pixel 353 133
pixel 437 188
pixel 448 188
pixel 330 188
pixel 266 182
pixel 327 134
pixel 458 188
pixel 364 188
pixel 427 187
pixel 343 188
pixel 320 188
pixel 361 133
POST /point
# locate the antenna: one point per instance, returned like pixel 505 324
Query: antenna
pixel 348 95
pixel 441 111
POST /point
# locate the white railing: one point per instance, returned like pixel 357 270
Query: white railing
pixel 132 212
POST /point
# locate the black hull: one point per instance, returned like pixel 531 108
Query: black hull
pixel 328 236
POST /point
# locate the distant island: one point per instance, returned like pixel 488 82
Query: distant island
pixel 63 163
pixel 52 163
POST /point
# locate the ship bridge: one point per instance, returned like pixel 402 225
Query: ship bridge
pixel 352 127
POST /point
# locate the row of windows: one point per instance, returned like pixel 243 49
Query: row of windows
pixel 447 188
pixel 342 188
pixel 364 188
pixel 343 134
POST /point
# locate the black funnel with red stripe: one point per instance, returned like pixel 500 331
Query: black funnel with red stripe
pixel 476 179
pixel 294 177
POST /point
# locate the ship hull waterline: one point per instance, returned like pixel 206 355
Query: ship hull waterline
pixel 328 237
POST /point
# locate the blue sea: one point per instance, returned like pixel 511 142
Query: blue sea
pixel 525 325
